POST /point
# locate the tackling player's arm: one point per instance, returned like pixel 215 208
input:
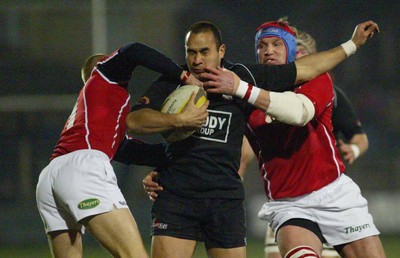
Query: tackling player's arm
pixel 138 152
pixel 307 67
pixel 310 66
pixel 119 68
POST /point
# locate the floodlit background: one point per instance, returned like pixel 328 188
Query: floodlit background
pixel 43 44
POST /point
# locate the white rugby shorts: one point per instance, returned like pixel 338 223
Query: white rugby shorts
pixel 74 186
pixel 338 208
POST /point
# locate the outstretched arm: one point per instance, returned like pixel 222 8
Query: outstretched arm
pixel 120 65
pixel 310 66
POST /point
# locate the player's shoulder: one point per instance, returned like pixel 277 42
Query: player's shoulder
pixel 243 71
pixel 324 78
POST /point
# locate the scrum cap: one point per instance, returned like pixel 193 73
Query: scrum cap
pixel 282 30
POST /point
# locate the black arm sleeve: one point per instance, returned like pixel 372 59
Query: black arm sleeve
pixel 273 78
pixel 137 152
pixel 278 78
pixel 119 66
pixel 344 118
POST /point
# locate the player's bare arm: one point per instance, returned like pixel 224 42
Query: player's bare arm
pixel 149 121
pixel 310 66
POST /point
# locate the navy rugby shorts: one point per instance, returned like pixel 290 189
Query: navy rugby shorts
pixel 218 222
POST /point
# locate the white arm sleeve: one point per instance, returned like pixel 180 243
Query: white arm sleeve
pixel 290 108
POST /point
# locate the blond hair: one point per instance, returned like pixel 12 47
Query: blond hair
pixel 285 20
pixel 307 41
pixel 89 64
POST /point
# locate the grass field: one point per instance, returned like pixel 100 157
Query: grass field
pixel 254 250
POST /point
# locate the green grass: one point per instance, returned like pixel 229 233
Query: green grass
pixel 255 249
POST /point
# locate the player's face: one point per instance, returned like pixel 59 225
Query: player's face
pixel 271 51
pixel 301 51
pixel 202 51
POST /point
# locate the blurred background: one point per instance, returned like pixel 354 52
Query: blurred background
pixel 44 43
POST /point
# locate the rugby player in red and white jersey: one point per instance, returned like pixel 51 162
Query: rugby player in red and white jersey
pixel 310 200
pixel 78 189
pixel 344 120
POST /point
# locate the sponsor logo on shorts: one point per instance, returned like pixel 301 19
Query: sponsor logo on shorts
pixel 159 225
pixel 122 202
pixel 353 229
pixel 88 204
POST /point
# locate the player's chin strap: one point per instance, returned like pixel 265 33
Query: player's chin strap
pixel 302 251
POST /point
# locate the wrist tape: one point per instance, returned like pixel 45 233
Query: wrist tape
pixel 247 92
pixel 356 150
pixel 349 47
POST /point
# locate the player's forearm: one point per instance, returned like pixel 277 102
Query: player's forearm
pixel 361 141
pixel 151 58
pixel 148 121
pixel 134 151
pixel 287 107
pixel 310 66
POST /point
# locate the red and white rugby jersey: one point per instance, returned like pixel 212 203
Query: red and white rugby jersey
pixel 298 160
pixel 97 120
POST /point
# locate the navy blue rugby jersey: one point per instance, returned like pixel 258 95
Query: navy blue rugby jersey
pixel 205 165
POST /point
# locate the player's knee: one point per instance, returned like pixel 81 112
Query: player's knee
pixel 272 251
pixel 302 251
pixel 329 252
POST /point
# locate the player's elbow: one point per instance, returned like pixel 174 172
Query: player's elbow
pixel 306 72
pixel 308 110
pixel 132 125
pixel 291 108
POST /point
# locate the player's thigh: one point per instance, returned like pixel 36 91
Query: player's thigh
pixel 271 249
pixel 117 231
pixel 65 244
pixel 291 236
pixel 238 252
pixel 225 227
pixel 366 247
pixel 172 247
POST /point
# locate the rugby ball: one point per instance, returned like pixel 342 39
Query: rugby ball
pixel 175 103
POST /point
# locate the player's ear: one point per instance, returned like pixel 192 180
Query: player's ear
pixel 221 51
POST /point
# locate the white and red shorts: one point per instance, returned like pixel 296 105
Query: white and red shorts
pixel 74 186
pixel 339 209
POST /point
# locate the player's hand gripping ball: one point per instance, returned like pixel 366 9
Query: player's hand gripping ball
pixel 176 102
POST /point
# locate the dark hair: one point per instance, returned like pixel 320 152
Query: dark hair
pixel 204 26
